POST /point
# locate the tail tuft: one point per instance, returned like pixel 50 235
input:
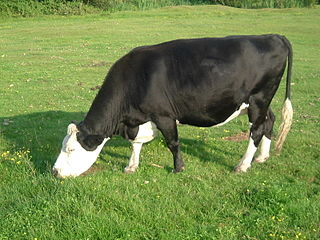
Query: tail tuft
pixel 287 115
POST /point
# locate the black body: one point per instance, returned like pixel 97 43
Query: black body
pixel 199 82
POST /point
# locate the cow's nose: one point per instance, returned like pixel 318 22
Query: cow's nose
pixel 55 172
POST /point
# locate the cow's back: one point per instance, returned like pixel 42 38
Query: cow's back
pixel 202 81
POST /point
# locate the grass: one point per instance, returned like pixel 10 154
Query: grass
pixel 50 67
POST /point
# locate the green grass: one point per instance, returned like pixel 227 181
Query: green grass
pixel 49 65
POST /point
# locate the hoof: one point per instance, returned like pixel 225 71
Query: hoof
pixel 177 170
pixel 260 159
pixel 129 170
pixel 241 169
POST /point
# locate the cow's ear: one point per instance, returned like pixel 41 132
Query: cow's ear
pixel 90 142
pixel 72 128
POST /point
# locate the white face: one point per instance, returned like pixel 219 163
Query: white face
pixel 73 158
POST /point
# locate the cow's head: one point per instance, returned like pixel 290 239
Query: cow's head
pixel 79 151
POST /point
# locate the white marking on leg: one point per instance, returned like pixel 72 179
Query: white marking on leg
pixel 146 133
pixel 241 110
pixel 135 157
pixel 246 160
pixel 264 150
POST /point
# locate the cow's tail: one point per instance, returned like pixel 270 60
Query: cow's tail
pixel 287 110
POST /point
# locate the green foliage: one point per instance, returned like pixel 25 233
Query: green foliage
pixel 28 8
pixel 268 3
pixel 22 8
pixel 141 4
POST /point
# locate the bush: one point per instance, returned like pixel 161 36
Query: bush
pixel 27 8
pixel 21 8
pixel 64 7
pixel 268 3
pixel 105 4
pixel 111 5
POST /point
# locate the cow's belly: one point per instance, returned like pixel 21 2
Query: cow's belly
pixel 242 109
pixel 204 120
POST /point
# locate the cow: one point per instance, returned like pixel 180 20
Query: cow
pixel 200 82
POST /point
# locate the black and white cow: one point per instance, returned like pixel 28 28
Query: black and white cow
pixel 201 82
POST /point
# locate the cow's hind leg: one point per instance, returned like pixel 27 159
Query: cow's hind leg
pixel 266 139
pixel 168 128
pixel 257 117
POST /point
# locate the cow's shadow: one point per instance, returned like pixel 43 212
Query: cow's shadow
pixel 205 152
pixel 42 133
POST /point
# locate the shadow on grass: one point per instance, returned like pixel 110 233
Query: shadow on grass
pixel 42 133
pixel 205 152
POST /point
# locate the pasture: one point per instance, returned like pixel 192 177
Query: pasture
pixel 51 69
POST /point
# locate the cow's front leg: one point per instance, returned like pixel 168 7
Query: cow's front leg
pixel 146 133
pixel 168 127
pixel 134 159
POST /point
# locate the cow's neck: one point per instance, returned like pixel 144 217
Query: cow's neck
pixel 105 112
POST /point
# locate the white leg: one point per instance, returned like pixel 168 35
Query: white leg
pixel 146 133
pixel 134 159
pixel 264 150
pixel 246 160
